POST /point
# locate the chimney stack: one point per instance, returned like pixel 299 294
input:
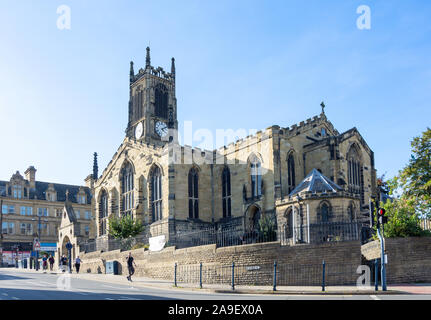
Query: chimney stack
pixel 30 175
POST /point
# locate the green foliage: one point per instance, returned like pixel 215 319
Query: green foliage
pixel 124 227
pixel 402 220
pixel 139 246
pixel 414 180
pixel 412 188
pixel 267 228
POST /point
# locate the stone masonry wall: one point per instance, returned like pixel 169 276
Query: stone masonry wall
pixel 344 255
pixel 409 259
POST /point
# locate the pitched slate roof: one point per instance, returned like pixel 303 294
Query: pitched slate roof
pixel 316 182
pixel 70 212
pixel 41 187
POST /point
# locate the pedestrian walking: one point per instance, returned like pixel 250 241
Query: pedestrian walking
pixel 130 263
pixel 44 263
pixel 63 263
pixel 77 264
pixel 51 261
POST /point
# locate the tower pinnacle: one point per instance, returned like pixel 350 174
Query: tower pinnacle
pixel 148 59
pixel 95 167
pixel 323 107
pixel 132 72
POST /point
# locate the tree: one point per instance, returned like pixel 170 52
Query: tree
pixel 267 228
pixel 412 188
pixel 402 220
pixel 124 227
pixel 414 180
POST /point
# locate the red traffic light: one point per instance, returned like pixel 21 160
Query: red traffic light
pixel 381 212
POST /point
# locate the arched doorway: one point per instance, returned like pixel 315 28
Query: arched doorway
pixel 288 225
pixel 63 247
pixel 252 218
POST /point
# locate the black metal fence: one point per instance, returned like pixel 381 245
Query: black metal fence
pixel 267 275
pixel 322 232
pixel 222 238
pixel 314 233
pixel 426 224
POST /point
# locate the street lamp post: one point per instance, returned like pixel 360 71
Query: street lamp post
pixel 69 249
pixel 38 236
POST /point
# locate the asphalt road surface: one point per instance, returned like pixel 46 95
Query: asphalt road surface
pixel 39 286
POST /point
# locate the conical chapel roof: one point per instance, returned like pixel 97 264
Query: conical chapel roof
pixel 316 182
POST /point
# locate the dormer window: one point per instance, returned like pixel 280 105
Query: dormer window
pixel 323 132
pixel 82 199
pixel 17 192
pixel 50 196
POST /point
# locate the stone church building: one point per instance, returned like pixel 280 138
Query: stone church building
pixel 306 171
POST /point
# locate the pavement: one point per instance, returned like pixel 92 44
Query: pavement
pixel 145 282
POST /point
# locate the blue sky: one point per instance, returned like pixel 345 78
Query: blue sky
pixel 240 64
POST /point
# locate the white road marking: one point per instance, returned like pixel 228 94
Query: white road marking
pixel 104 285
pixel 36 284
pixel 374 297
pixel 108 299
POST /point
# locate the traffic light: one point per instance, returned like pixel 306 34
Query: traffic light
pixel 381 218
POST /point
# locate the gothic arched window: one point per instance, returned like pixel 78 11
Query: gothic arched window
pixel 103 212
pixel 226 192
pixel 156 194
pixel 324 212
pixel 256 177
pixel 355 172
pixel 289 223
pixel 193 194
pixel 351 210
pixel 290 173
pixel 139 104
pixel 127 186
pixel 161 101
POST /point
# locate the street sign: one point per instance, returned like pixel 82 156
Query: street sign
pixel 47 246
pixel 36 245
pixel 252 268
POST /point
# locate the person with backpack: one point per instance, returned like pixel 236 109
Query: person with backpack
pixel 45 263
pixel 130 263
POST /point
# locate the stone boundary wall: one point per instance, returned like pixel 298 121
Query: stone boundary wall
pixel 344 255
pixel 409 259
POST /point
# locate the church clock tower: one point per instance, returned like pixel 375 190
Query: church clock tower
pixel 152 104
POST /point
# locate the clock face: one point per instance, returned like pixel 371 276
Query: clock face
pixel 138 130
pixel 161 128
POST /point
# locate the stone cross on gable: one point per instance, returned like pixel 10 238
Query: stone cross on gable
pixel 323 107
pixel 67 194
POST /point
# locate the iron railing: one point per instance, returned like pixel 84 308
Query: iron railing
pixel 426 224
pixel 269 274
pixel 222 238
pixel 321 232
pixel 315 233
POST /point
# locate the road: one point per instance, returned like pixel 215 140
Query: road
pixel 40 286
